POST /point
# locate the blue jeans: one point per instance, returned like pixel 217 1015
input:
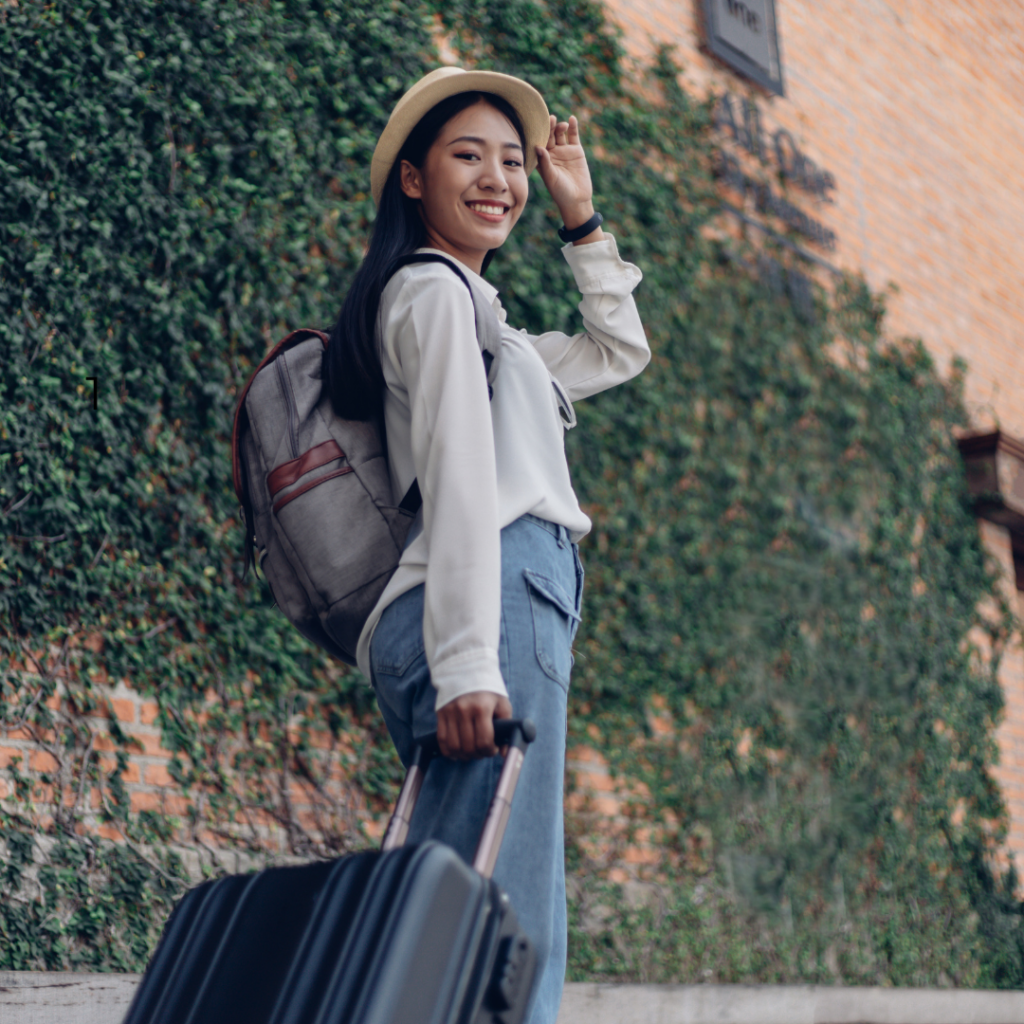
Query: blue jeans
pixel 541 591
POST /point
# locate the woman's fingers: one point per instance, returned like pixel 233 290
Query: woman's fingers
pixel 503 709
pixel 467 735
pixel 444 732
pixel 483 729
pixel 562 133
pixel 465 727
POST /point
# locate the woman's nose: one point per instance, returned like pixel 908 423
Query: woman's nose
pixel 492 177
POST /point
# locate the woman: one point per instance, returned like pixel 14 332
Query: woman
pixel 478 620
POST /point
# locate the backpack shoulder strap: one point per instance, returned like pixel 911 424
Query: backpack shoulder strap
pixel 488 333
pixel 488 329
pixel 236 430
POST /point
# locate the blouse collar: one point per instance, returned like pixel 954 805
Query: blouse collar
pixel 485 288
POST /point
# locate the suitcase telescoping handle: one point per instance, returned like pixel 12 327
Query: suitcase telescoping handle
pixel 508 732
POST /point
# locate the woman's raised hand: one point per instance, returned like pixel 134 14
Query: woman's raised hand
pixel 563 169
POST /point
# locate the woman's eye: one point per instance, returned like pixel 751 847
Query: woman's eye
pixel 513 163
pixel 466 156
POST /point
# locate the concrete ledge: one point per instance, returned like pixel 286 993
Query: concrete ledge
pixel 785 1004
pixel 36 997
pixel 29 997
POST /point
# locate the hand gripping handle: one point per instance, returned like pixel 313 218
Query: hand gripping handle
pixel 513 733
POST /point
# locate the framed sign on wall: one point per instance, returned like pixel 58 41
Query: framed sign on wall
pixel 743 33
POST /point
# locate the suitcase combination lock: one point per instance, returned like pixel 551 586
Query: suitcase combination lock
pixel 512 968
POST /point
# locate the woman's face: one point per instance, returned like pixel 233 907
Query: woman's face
pixel 472 186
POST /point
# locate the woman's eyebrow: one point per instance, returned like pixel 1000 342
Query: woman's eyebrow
pixel 483 142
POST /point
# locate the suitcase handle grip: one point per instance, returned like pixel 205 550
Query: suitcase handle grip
pixel 513 733
pixel 507 732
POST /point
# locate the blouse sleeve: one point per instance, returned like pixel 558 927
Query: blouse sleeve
pixel 431 337
pixel 613 347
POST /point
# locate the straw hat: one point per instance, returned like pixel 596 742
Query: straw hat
pixel 439 85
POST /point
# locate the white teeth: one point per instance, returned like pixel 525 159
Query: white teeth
pixel 486 208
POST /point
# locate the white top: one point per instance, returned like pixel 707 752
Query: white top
pixel 482 464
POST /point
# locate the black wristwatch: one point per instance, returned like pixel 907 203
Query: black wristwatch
pixel 582 231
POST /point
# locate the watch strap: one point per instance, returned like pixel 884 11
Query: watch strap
pixel 575 234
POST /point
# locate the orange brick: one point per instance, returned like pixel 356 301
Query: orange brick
pixel 594 847
pixel 151 745
pixel 8 754
pixel 638 855
pixel 149 712
pixel 104 743
pixel 320 739
pixel 41 761
pixel 585 755
pixel 176 804
pixel 575 801
pixel 607 806
pixel 157 775
pixel 124 710
pixel 599 782
pixel 145 802
pixel 308 820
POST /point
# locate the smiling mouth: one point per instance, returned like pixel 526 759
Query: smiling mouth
pixel 489 211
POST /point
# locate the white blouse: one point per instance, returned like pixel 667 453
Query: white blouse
pixel 482 464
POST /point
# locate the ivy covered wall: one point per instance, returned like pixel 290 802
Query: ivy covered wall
pixel 791 633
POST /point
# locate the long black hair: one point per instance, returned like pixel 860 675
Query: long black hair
pixel 352 368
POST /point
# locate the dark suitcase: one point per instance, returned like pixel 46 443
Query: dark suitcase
pixel 404 935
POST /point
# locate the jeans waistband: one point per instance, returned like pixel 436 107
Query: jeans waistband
pixel 559 532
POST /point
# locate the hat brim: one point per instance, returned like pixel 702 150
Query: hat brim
pixel 438 85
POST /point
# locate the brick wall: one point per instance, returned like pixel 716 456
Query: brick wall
pixel 916 109
pixel 1009 773
pixel 276 811
pixel 146 778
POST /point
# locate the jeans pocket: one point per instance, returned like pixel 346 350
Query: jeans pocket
pixel 580 576
pixel 554 625
pixel 398 639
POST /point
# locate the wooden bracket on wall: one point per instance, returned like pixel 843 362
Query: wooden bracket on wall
pixel 995 478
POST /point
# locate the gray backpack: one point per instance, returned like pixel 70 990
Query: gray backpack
pixel 315 489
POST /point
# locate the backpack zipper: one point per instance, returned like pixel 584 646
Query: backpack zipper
pixel 286 387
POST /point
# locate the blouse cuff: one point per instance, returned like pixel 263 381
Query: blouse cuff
pixel 469 672
pixel 598 267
